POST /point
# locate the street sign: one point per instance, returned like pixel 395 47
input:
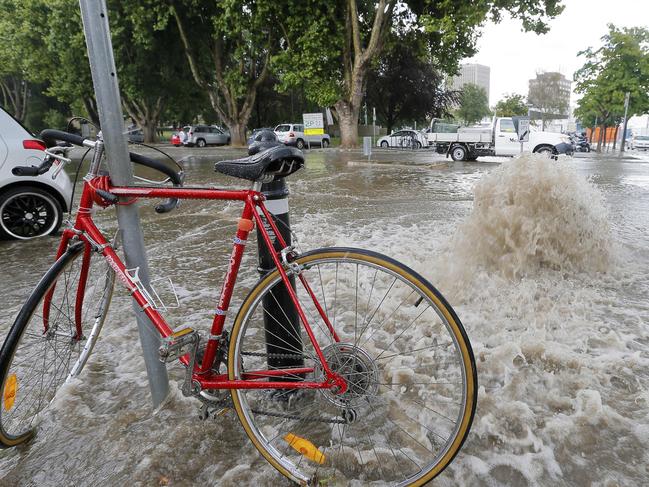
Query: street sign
pixel 313 123
pixel 523 130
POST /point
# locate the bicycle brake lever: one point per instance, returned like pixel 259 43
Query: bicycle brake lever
pixel 53 153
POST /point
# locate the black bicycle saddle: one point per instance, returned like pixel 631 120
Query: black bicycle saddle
pixel 277 161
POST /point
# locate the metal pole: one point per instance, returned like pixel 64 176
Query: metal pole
pixel 104 77
pixel 626 110
pixel 281 321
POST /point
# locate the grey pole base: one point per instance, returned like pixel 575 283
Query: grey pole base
pixel 281 319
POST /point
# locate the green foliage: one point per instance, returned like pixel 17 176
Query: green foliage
pixel 619 66
pixel 406 87
pixel 319 51
pixel 474 104
pixel 511 105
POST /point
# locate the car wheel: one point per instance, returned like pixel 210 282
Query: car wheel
pixel 28 212
pixel 201 143
pixel 458 153
pixel 385 144
pixel 325 143
pixel 299 144
pixel 417 145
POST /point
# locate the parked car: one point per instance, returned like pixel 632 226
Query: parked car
pixel 202 135
pixel 136 136
pixel 175 140
pixel 293 134
pixel 29 206
pixel 255 132
pixel 640 142
pixel 403 138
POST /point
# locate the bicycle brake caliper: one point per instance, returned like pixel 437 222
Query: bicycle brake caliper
pixel 289 255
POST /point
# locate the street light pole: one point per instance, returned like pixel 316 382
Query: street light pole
pixel 626 110
pixel 104 77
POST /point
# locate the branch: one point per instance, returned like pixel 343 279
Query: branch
pixel 193 64
pixel 356 35
pixel 381 20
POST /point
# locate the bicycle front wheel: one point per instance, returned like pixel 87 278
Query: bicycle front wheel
pixel 51 339
pixel 401 349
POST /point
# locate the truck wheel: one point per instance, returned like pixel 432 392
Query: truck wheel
pixel 458 153
pixel 299 144
pixel 545 150
pixel 325 143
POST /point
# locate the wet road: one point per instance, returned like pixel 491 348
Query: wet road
pixel 548 270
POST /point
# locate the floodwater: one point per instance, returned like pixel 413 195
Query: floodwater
pixel 546 263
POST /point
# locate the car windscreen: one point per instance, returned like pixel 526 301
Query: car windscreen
pixel 282 128
pixel 642 137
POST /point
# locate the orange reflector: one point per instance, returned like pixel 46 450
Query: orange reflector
pixel 305 447
pixel 9 394
pixel 245 224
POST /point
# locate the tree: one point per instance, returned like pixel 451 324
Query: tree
pixel 229 46
pixel 337 48
pixel 548 96
pixel 511 106
pixel 619 66
pixel 405 87
pixel 474 104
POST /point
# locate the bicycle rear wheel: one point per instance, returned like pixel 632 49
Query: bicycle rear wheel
pixel 402 350
pixel 43 348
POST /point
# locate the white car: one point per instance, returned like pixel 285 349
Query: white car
pixel 29 206
pixel 640 142
pixel 411 139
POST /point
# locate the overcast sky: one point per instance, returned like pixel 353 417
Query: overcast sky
pixel 514 56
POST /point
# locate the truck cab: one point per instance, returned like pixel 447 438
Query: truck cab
pixel 500 138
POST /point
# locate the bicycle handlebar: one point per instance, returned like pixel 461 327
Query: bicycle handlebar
pixel 51 138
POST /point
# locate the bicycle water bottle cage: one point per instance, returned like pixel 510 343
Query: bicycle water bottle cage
pixel 269 165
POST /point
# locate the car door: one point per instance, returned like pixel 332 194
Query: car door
pixel 396 138
pixel 507 143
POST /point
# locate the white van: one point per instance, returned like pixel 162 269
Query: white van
pixel 29 206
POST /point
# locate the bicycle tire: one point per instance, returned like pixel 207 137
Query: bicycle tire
pixel 29 385
pixel 391 440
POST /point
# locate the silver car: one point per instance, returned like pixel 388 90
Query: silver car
pixel 202 135
pixel 293 134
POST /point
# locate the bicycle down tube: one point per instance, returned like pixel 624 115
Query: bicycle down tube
pixel 254 211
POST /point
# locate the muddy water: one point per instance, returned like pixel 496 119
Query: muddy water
pixel 551 286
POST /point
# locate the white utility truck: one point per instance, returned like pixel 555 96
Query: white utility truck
pixel 500 138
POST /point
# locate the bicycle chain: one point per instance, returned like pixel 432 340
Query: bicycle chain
pixel 301 418
pixel 275 355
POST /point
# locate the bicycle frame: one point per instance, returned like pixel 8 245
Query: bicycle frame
pixel 254 212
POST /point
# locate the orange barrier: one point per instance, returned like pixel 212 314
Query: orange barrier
pixel 609 136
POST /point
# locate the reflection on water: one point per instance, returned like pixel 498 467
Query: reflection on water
pixel 562 353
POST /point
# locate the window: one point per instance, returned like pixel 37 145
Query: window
pixel 507 125
pixel 283 128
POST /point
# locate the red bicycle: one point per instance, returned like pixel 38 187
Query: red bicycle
pixel 343 365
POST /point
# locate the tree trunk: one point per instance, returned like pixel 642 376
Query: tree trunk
pixel 617 127
pixel 347 116
pixel 149 127
pixel 602 128
pixel 237 132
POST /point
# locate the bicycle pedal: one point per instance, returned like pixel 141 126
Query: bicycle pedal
pixel 177 344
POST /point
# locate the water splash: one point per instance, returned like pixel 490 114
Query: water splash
pixel 534 213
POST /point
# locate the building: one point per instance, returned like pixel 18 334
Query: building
pixel 551 89
pixel 476 74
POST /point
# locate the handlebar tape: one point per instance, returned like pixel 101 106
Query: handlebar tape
pixel 50 137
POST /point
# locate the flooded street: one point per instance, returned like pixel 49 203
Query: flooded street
pixel 554 299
